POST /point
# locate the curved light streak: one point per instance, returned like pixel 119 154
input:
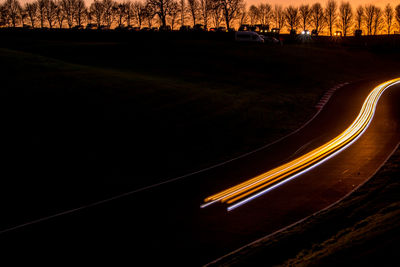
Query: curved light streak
pixel 261 184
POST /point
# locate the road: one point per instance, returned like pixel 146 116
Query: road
pixel 165 225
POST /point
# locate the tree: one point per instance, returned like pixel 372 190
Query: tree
pixel 12 11
pixel 109 8
pixel 369 15
pixel 68 7
pixel 193 6
pixel 80 11
pixel 345 17
pixel 182 12
pixel 97 11
pixel 389 14
pixel 279 16
pixel 59 15
pixel 41 11
pixel 173 13
pixel 243 17
pixel 139 12
pixel 331 15
pixel 292 17
pixel 51 12
pixel 148 15
pixel 397 11
pixel 161 8
pixel 359 17
pixel 231 10
pixel 205 9
pixel 253 14
pixel 264 13
pixel 128 12
pixel 317 17
pixel 304 12
pixel 216 12
pixel 31 9
pixel 121 12
pixel 378 20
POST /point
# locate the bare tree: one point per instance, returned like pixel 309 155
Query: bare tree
pixel 59 14
pixel 359 17
pixel 173 13
pixel 389 14
pixel 80 11
pixel 278 16
pixel 121 13
pixel 22 15
pixel 139 12
pixel 97 11
pixel 253 14
pixel 317 17
pixel 264 13
pixel 31 9
pixel 12 11
pixel 193 7
pixel 331 14
pixel 128 12
pixel 216 12
pixel 109 12
pixel 243 17
pixel 231 10
pixel 68 7
pixel 397 15
pixel 345 17
pixel 292 17
pixel 182 11
pixel 369 15
pixel 205 9
pixel 51 12
pixel 378 20
pixel 148 15
pixel 305 13
pixel 161 8
pixel 41 11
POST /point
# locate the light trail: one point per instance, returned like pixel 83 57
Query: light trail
pixel 261 184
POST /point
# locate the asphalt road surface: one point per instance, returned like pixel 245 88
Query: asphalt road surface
pixel 165 225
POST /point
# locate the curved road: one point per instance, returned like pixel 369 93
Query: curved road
pixel 165 225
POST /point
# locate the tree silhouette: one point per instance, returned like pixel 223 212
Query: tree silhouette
pixel 331 14
pixel 292 17
pixel 359 17
pixel 161 8
pixel 231 10
pixel 397 14
pixel 304 12
pixel 31 9
pixel 345 17
pixel 389 14
pixel 278 16
pixel 193 6
pixel 317 17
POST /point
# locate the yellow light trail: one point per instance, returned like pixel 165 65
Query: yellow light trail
pixel 253 188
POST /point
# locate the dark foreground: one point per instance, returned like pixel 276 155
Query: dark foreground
pixel 89 119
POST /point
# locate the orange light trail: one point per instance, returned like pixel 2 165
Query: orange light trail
pixel 253 188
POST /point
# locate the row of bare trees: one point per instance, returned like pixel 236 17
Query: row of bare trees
pixel 70 13
pixel 327 18
pixel 107 13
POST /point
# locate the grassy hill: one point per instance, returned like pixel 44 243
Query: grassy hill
pixel 86 118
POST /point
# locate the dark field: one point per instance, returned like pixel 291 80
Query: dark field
pixel 90 116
